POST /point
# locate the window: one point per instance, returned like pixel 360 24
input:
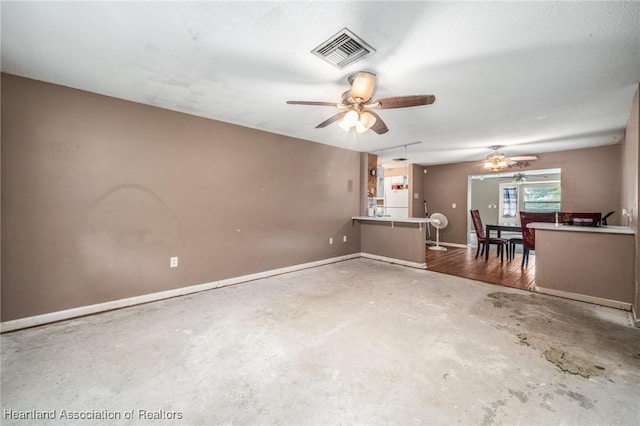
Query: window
pixel 509 202
pixel 541 197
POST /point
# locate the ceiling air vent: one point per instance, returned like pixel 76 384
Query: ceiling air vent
pixel 343 49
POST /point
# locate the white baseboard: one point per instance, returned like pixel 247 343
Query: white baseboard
pixel 392 260
pixel 453 245
pixel 585 298
pixel 152 297
pixel 433 243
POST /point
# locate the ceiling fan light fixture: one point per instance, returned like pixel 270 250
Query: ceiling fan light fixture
pixel 365 122
pixel 359 99
pixel 496 160
pixel 360 127
pixel 351 118
pixel 495 164
pixel 363 85
pixel 344 126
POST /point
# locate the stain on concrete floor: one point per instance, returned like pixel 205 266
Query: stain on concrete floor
pixel 583 343
pixel 490 417
pixel 570 363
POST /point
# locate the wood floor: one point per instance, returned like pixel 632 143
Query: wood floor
pixel 461 262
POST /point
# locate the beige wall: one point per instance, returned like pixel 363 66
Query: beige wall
pixel 98 194
pixel 396 171
pixel 590 178
pixel 416 186
pixel 484 193
pixel 630 183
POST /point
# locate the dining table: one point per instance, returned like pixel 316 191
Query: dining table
pixel 498 228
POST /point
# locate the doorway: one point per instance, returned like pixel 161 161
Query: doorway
pixel 501 196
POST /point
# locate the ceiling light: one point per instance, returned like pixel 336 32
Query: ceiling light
pixel 350 119
pixel 496 163
pixel 362 122
pixel 363 85
pixel 365 122
pixel 496 160
pixel 343 126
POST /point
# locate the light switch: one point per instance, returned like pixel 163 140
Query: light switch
pixel 453 205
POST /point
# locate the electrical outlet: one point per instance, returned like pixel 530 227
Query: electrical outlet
pixel 173 262
pixel 453 205
pixel 344 238
pixel 330 240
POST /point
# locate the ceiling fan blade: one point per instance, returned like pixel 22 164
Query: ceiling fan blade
pixel 406 101
pixel 524 158
pixel 331 119
pixel 379 126
pixel 312 103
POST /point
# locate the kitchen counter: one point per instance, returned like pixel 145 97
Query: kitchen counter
pixel 394 240
pixel 573 228
pixel 587 263
pixel 393 219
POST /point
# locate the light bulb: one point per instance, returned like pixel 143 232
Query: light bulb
pixel 343 126
pixel 366 121
pixel 351 118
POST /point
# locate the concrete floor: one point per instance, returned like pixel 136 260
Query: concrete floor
pixel 355 342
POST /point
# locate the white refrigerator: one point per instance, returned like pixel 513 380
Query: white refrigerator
pixel 396 197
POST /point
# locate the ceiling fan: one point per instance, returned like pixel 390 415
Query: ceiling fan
pixel 497 161
pixel 357 105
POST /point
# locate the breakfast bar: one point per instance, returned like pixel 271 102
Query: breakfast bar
pixel 394 240
pixel 588 263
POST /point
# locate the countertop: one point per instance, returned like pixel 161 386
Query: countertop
pixel 572 228
pixel 394 219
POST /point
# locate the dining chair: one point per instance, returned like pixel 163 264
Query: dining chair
pixel 484 240
pixel 511 249
pixel 529 234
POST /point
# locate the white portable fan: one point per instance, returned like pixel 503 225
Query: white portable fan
pixel 439 221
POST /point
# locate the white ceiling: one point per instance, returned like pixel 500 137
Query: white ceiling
pixel 533 77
